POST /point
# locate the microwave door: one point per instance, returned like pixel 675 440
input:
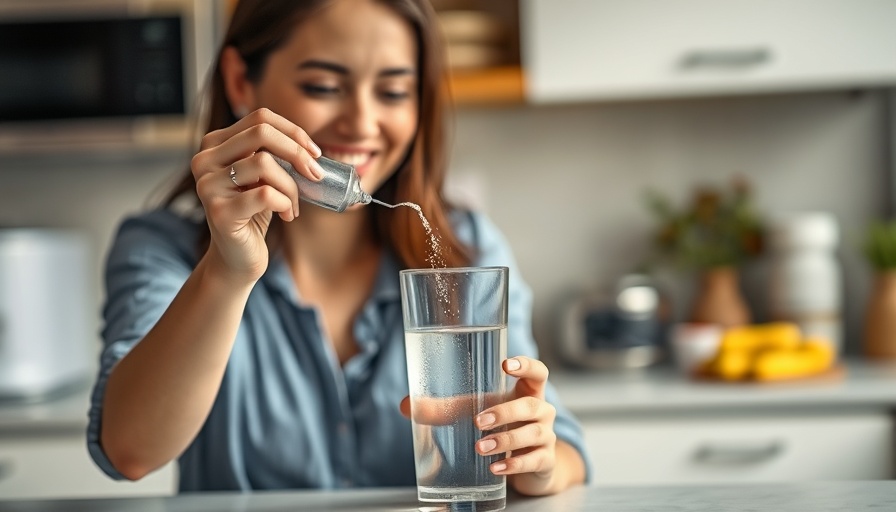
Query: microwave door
pixel 81 68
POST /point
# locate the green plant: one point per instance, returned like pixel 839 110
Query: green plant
pixel 716 229
pixel 880 245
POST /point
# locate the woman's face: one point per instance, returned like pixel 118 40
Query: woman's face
pixel 348 77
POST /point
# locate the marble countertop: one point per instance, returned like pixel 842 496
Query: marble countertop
pixel 592 393
pixel 796 497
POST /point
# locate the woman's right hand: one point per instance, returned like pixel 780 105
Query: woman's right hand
pixel 239 215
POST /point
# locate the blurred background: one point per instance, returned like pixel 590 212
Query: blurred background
pixel 766 118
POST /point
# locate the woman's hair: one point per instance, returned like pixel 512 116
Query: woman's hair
pixel 259 27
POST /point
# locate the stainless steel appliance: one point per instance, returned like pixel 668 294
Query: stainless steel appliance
pixel 44 313
pixel 107 72
pixel 619 328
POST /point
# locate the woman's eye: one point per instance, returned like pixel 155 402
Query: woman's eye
pixel 318 90
pixel 395 95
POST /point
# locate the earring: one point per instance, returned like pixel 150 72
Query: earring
pixel 240 111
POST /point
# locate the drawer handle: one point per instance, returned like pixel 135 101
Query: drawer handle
pixel 725 59
pixel 5 469
pixel 736 454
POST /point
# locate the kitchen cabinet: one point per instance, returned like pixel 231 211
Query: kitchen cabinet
pixel 751 449
pixel 482 47
pixel 593 50
pixel 501 85
pixel 657 427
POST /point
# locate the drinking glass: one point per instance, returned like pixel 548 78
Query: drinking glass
pixel 455 323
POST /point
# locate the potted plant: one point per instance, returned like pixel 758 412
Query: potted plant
pixel 713 234
pixel 880 315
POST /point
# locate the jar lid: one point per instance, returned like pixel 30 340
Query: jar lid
pixel 803 229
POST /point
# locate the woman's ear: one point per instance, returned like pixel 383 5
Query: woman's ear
pixel 239 89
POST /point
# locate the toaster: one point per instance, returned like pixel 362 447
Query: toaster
pixel 624 327
pixel 44 313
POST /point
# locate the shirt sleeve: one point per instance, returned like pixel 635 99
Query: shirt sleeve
pixel 492 249
pixel 145 268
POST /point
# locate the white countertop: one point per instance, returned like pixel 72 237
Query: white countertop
pixel 664 390
pixel 65 412
pixel 599 394
pixel 792 497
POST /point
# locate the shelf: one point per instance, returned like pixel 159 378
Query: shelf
pixel 504 85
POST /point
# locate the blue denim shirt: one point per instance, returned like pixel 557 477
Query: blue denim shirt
pixel 287 414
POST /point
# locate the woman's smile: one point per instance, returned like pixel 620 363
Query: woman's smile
pixel 359 158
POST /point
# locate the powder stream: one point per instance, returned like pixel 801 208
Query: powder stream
pixel 435 249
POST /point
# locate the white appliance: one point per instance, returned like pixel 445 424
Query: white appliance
pixel 44 313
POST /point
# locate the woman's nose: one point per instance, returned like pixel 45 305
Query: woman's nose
pixel 360 118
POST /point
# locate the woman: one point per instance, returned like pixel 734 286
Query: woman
pixel 263 348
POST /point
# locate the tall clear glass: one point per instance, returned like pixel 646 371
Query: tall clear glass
pixel 455 323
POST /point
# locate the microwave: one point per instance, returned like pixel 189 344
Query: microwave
pixel 83 74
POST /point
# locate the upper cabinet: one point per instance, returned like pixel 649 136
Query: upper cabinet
pixel 594 50
pixel 482 45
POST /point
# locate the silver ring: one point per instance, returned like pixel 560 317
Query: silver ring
pixel 233 177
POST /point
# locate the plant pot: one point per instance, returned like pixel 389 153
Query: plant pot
pixel 719 299
pixel 880 318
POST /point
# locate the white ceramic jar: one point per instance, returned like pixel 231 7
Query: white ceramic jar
pixel 805 278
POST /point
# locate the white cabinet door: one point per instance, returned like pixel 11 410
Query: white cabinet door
pixel 579 50
pixel 59 467
pixel 734 450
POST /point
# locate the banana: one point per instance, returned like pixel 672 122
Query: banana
pixel 768 352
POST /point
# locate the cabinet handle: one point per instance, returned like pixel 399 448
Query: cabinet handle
pixel 734 454
pixel 735 58
pixel 5 469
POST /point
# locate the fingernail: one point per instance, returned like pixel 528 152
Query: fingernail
pixel 314 149
pixel 487 445
pixel 317 170
pixel 295 210
pixel 486 419
pixel 498 467
pixel 513 365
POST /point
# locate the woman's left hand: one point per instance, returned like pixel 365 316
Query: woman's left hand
pixel 532 467
pixel 529 434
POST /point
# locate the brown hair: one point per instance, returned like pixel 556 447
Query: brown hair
pixel 258 27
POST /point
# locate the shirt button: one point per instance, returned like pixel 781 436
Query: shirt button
pixel 347 482
pixel 342 428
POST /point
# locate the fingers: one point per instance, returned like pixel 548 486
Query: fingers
pixel 537 460
pixel 405 407
pixel 260 130
pixel 261 169
pixel 441 411
pixel 265 137
pixel 241 208
pixel 532 375
pixel 261 187
pixel 530 436
pixel 525 436
pixel 526 409
pixel 258 117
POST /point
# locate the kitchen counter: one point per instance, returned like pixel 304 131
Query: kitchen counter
pixel 863 385
pixel 803 497
pixel 646 427
pixel 67 411
pixel 591 393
